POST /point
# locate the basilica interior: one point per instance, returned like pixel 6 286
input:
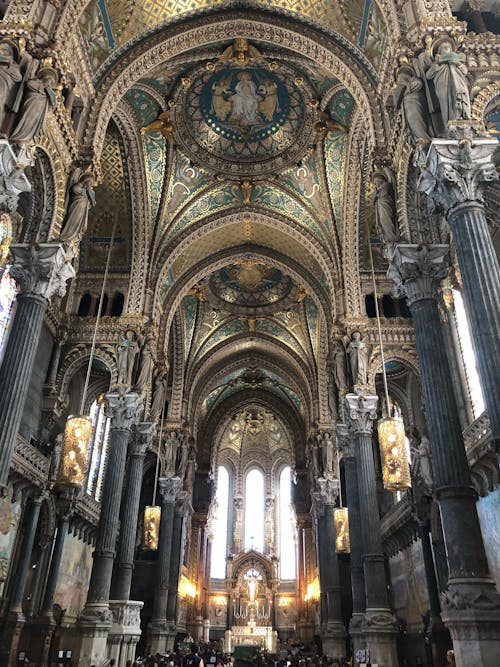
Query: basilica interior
pixel 249 330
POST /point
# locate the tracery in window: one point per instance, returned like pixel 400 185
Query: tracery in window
pixel 468 356
pixel 219 543
pixel 254 510
pixel 98 448
pixel 287 527
pixel 7 296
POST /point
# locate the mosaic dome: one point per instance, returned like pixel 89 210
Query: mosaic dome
pixel 244 121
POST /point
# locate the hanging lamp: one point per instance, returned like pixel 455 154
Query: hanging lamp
pixel 152 513
pixel 79 427
pixel 341 522
pixel 391 430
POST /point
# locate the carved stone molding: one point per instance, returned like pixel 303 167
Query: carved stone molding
pixel 41 270
pixel 142 436
pixel 345 441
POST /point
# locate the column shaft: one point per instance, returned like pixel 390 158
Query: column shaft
pixel 164 556
pixel 175 564
pixel 329 566
pixel 16 597
pixel 480 273
pixel 55 563
pixel 16 371
pixel 355 535
pixel 430 572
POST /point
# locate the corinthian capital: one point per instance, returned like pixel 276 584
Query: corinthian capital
pixel 169 488
pixel 141 439
pixel 455 170
pixel 328 489
pixel 345 440
pixel 417 270
pixel 41 269
pixel 360 413
pixel 124 409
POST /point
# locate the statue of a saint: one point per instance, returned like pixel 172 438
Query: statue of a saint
pixel 339 366
pixel 171 446
pixel 81 197
pixel 183 456
pixel 424 456
pixel 191 470
pixel 10 74
pixel 159 394
pixel 409 96
pixel 245 100
pixel 359 356
pixel 38 96
pixel 146 361
pixel 326 445
pixel 127 352
pixel 385 208
pixel 449 74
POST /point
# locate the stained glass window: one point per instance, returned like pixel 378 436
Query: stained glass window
pixel 98 449
pixel 7 296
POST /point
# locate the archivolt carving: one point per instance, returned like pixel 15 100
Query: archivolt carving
pixel 151 53
pixel 140 208
pixel 406 358
pixel 39 214
pixel 77 357
pixel 483 100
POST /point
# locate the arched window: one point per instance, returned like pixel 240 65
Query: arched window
pixel 468 356
pixel 287 527
pixel 98 449
pixel 219 543
pixel 254 510
pixel 7 296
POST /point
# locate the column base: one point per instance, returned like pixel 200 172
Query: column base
pixel 39 631
pixel 94 623
pixel 305 630
pixel 158 631
pixel 356 632
pixel 472 615
pixel 125 631
pixel 380 632
pixel 11 638
pixel 333 639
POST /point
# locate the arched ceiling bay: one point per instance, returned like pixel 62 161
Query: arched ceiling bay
pixel 107 25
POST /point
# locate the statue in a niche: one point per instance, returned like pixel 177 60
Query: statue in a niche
pixel 128 349
pixel 159 394
pixel 359 356
pixel 146 362
pixel 81 197
pixel 449 74
pixel 409 96
pixel 385 208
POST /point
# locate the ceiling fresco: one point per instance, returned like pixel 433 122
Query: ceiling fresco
pixel 107 25
pixel 251 284
pixel 254 428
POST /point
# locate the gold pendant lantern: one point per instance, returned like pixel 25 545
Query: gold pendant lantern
pixel 394 454
pixel 341 521
pixel 74 453
pixel 152 514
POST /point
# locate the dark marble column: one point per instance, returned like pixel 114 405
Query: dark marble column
pixel 379 626
pixel 124 564
pixel 175 563
pixel 460 168
pixel 333 631
pixel 471 604
pixel 158 626
pixel 96 618
pixel 345 441
pixel 15 619
pixel 41 272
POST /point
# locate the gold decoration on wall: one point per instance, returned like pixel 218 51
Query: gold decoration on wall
pixel 152 514
pixel 341 522
pixel 394 454
pixel 313 591
pixel 74 453
pixel 186 588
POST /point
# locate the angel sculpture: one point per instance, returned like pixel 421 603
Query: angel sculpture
pixel 81 197
pixel 241 53
pixel 325 124
pixel 163 124
pixel 385 208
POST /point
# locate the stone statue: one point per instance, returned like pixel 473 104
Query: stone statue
pixel 146 362
pixel 81 197
pixel 339 366
pixel 183 455
pixel 449 74
pixel 359 356
pixel 159 394
pixel 409 96
pixel 332 397
pixel 424 456
pixel 385 208
pixel 326 445
pixel 171 446
pixel 313 459
pixel 38 96
pixel 127 352
pixel 191 470
pixel 10 74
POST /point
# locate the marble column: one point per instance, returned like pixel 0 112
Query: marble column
pixel 15 618
pixel 175 564
pixel 345 441
pixel 471 604
pixel 379 626
pixel 333 632
pixel 124 564
pixel 96 618
pixel 158 627
pixel 460 168
pixel 41 271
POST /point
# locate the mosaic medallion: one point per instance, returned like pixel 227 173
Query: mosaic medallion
pixel 250 284
pixel 244 121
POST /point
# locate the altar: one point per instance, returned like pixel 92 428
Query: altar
pixel 262 636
